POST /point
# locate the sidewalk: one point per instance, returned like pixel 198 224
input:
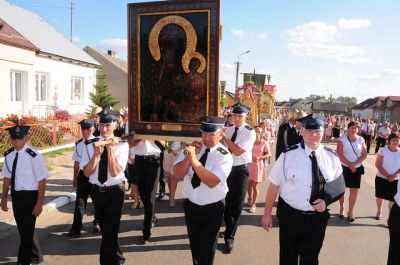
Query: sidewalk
pixel 58 184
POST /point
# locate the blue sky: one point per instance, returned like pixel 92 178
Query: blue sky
pixel 341 47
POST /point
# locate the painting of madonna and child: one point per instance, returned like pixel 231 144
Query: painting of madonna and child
pixel 173 64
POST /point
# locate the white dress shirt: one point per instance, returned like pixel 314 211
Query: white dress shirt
pixel 31 168
pixel 120 151
pixel 147 148
pixel 293 174
pixel 79 148
pixel 219 162
pixel 245 139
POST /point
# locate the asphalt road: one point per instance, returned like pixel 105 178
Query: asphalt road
pixel 364 242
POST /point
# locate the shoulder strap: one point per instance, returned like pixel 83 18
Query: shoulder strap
pixel 352 147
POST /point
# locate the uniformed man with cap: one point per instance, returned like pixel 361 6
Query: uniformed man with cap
pixel 25 175
pixel 205 168
pixel 281 138
pixel 239 138
pixel 308 177
pixel 293 133
pixel 80 181
pixel 104 163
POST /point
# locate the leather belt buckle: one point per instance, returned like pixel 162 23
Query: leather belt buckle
pixel 102 188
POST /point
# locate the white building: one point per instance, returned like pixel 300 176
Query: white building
pixel 40 70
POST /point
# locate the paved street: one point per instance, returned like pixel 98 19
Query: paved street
pixel 364 242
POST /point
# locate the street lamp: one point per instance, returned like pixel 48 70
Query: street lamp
pixel 237 68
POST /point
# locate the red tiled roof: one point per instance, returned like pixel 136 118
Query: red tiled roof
pixel 10 36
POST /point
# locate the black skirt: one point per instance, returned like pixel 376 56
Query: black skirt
pixel 385 189
pixel 352 180
pixel 336 132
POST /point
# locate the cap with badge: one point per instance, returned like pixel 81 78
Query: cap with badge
pixel 312 122
pixel 210 124
pixel 108 115
pixel 18 131
pixel 86 123
pixel 240 108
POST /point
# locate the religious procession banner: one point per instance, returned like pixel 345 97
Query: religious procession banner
pixel 173 50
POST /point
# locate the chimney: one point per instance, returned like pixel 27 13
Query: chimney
pixel 112 53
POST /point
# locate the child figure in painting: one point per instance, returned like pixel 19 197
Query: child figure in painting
pixel 257 169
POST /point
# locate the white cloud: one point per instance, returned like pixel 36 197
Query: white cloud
pixel 385 75
pixel 262 36
pixel 118 45
pixel 319 39
pixel 354 23
pixel 238 32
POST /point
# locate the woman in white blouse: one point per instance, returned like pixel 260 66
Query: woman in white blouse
pixel 352 152
pixel 388 165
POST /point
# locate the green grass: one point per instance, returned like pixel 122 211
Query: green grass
pixel 58 152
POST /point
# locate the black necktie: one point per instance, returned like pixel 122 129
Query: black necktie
pixel 234 135
pixel 195 178
pixel 14 168
pixel 317 180
pixel 103 166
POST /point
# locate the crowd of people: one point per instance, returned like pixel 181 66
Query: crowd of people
pixel 216 174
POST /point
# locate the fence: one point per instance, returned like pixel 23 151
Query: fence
pixel 44 134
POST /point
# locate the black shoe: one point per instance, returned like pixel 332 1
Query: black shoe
pixel 36 261
pixel 96 229
pixel 146 239
pixel 228 247
pixel 161 196
pixel 72 234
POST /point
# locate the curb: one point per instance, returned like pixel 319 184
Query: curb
pixel 61 200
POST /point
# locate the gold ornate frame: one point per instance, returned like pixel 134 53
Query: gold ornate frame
pixel 170 12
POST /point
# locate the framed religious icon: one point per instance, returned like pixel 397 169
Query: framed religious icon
pixel 173 57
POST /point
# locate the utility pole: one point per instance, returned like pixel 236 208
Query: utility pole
pixel 70 30
pixel 237 68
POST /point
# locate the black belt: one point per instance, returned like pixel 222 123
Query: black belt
pixel 294 210
pixel 240 166
pixel 107 188
pixel 148 156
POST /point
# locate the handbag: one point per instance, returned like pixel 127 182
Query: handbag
pixel 360 169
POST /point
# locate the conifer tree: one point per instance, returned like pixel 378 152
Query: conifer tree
pixel 100 97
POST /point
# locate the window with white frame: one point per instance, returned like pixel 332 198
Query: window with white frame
pixel 15 86
pixel 41 84
pixel 77 88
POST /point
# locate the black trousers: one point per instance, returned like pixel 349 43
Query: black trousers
pixel 29 248
pixel 394 234
pixel 203 224
pixel 367 139
pixel 83 190
pixel 147 173
pixel 301 234
pixel 380 142
pixel 161 188
pixel 108 206
pixel 237 184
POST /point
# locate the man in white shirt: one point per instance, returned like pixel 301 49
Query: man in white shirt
pixel 25 174
pixel 239 138
pixel 104 164
pixel 205 169
pixel 383 133
pixel 304 176
pixel 367 131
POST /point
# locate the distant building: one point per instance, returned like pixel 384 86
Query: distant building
pixel 40 70
pixel 329 108
pixel 382 108
pixel 116 71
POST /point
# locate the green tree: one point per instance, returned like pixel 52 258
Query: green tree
pixel 100 97
pixel 349 101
